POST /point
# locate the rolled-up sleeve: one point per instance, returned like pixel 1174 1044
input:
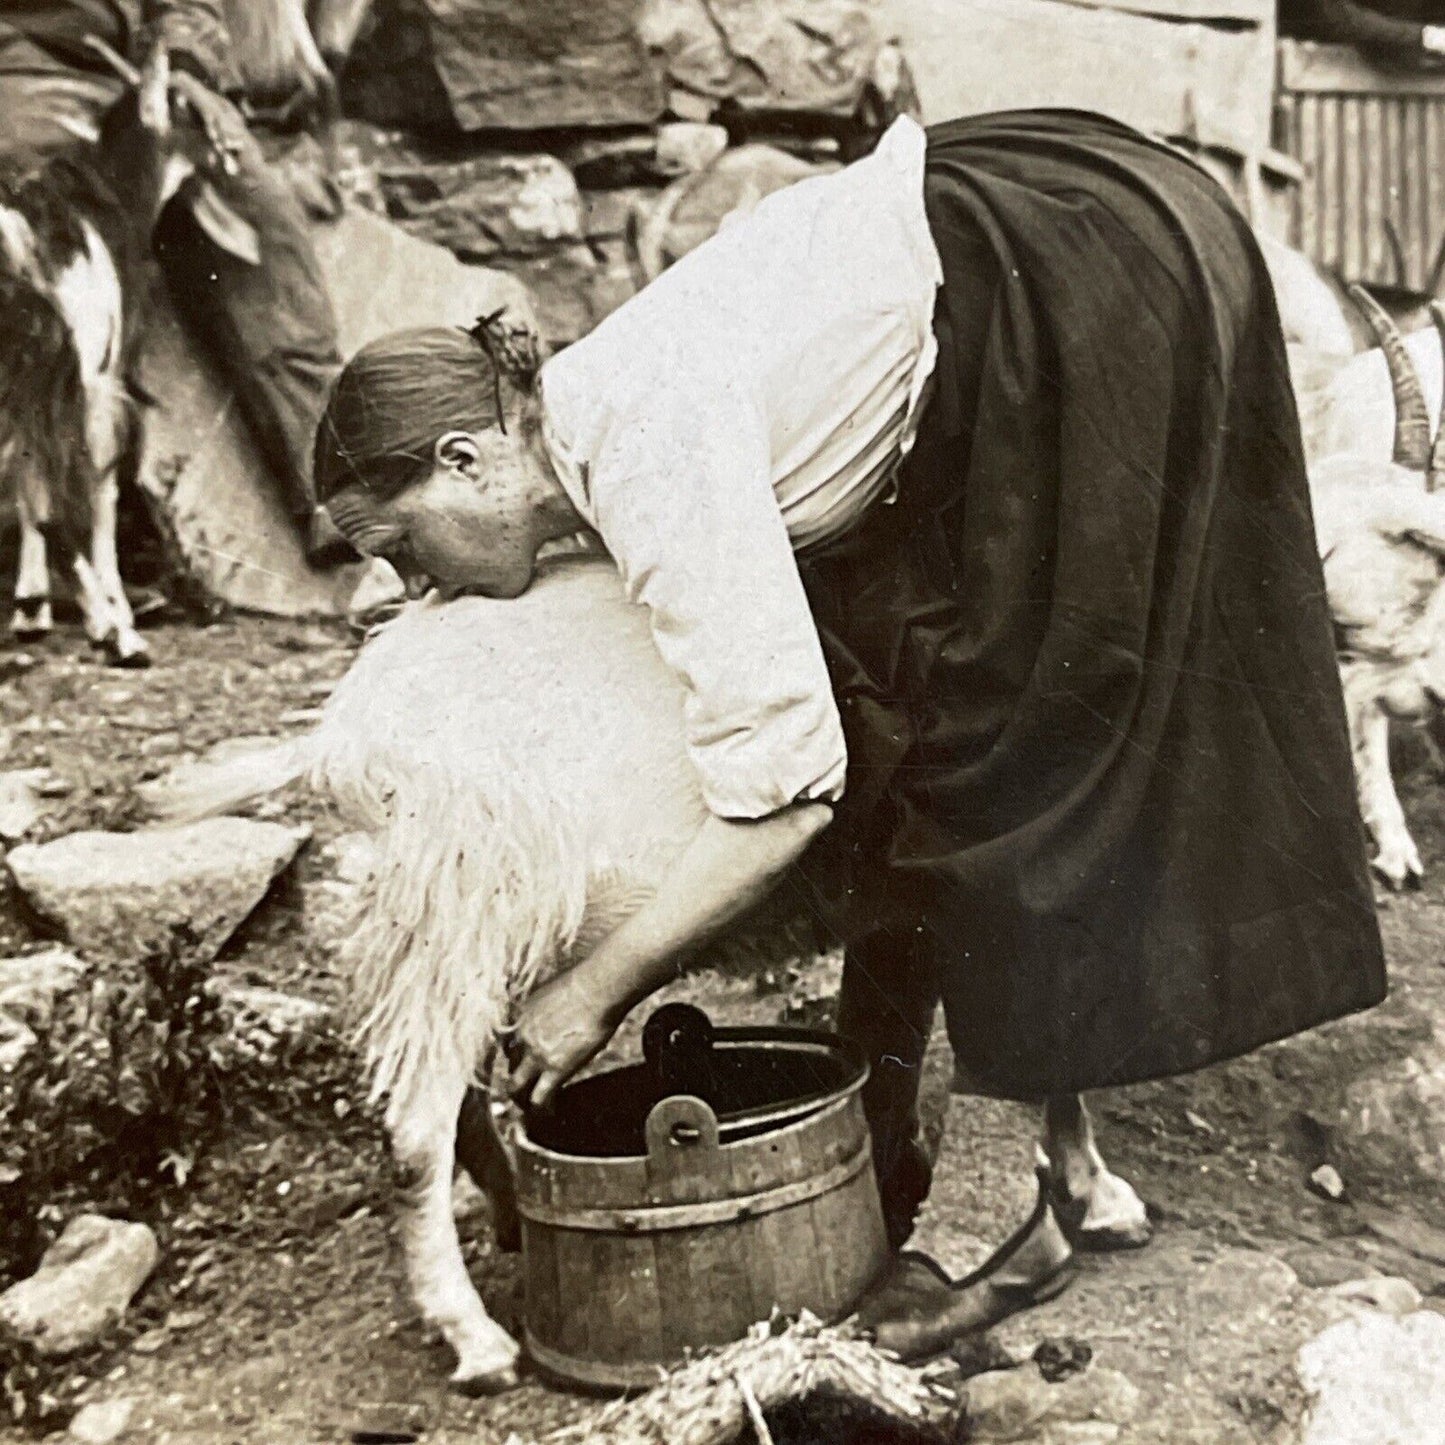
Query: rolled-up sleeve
pixel 680 491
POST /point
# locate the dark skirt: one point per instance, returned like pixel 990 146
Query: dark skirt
pixel 1098 754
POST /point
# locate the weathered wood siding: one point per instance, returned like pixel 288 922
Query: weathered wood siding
pixel 1372 146
pixel 1172 67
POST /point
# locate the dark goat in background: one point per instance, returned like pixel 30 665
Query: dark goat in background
pixel 75 231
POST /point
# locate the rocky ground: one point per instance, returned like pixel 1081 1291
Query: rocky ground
pixel 277 1310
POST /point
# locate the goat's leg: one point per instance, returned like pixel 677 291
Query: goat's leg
pixel 124 646
pixel 94 605
pixel 32 617
pixel 482 1154
pixel 1101 1210
pixel 423 1140
pixel 1398 860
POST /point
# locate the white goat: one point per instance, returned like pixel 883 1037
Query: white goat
pixel 520 766
pixel 1380 526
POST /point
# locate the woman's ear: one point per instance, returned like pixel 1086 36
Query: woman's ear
pixel 457 449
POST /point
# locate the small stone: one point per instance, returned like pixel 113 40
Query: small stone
pixel 160 745
pixel 101 1422
pixel 300 717
pixel 21 801
pixel 29 987
pixel 1326 1182
pixel 1198 1122
pixel 85 1282
pixel 1388 1293
pixel 685 147
pixel 119 894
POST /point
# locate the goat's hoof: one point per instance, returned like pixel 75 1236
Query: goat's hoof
pixel 128 652
pixel 31 621
pixel 1111 1216
pixel 1399 872
pixel 491 1381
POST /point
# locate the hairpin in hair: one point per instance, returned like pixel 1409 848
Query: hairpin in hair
pixel 515 352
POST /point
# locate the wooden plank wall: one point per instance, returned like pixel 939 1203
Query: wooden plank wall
pixel 1371 143
pixel 1172 67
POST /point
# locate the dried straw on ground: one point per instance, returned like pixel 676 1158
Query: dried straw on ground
pixel 705 1402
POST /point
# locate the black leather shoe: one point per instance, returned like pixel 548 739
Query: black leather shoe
pixel 915 1311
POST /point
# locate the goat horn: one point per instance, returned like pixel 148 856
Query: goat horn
pixel 155 92
pixel 1397 251
pixel 1436 469
pixel 1437 268
pixel 114 59
pixel 1412 416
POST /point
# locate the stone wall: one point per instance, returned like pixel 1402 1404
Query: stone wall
pixel 541 137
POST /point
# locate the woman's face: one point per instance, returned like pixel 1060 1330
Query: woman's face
pixel 468 525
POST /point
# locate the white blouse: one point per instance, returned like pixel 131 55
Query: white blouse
pixel 755 398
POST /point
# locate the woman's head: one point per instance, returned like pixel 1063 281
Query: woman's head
pixel 424 457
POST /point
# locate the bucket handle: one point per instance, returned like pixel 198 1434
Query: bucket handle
pixel 679 1128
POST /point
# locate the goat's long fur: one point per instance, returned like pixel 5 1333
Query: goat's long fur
pixel 520 767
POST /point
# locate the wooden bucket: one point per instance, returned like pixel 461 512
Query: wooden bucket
pixel 632 1260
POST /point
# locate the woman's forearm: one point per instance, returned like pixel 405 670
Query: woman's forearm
pixel 726 869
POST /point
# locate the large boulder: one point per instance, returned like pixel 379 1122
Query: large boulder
pixel 85 1283
pixel 503 65
pixel 1376 1379
pixel 122 894
pixel 446 66
pixel 824 57
pixel 208 485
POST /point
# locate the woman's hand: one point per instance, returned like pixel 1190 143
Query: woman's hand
pixel 562 1026
pixel 728 867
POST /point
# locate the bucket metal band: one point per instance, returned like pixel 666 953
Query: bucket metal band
pixel 670 1217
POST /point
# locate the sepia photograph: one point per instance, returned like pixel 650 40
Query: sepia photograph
pixel 722 722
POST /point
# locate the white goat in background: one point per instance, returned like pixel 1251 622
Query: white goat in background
pixel 1380 526
pixel 521 768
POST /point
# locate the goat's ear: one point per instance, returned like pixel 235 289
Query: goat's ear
pixel 231 231
pixel 1417 517
pixel 178 169
pixel 154 98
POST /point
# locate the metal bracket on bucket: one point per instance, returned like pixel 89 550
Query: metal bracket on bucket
pixel 679 1129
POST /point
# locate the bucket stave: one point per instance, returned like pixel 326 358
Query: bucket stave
pixel 630 1261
